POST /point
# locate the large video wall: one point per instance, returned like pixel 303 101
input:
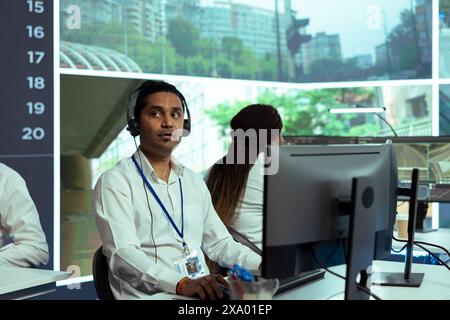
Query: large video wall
pixel 301 56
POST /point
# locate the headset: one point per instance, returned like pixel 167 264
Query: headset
pixel 133 124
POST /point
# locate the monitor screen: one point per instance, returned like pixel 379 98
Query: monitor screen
pixel 303 204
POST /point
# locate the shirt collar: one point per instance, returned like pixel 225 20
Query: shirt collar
pixel 176 171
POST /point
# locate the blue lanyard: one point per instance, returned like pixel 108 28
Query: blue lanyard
pixel 180 233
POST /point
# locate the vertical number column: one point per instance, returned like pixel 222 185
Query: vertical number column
pixel 37 56
pixel 26 54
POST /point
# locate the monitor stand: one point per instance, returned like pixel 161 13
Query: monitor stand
pixel 361 240
pixel 406 278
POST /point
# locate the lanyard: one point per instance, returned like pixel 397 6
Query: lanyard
pixel 180 233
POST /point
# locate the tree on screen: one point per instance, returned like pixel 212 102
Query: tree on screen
pixel 305 112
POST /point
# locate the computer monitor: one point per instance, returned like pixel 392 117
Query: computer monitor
pixel 304 204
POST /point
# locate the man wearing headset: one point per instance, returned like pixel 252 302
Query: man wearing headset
pixel 155 217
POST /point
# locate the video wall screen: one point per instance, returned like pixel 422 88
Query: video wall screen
pixel 223 55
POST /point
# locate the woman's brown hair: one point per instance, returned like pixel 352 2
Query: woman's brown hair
pixel 227 181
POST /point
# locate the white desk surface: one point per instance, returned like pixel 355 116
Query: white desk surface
pixel 435 285
pixel 440 237
pixel 167 296
pixel 14 278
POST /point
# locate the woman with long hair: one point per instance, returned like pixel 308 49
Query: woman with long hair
pixel 236 181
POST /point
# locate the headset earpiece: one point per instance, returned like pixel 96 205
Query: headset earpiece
pixel 133 125
pixel 186 122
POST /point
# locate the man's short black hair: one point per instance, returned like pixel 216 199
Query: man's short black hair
pixel 153 86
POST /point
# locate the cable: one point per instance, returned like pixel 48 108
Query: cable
pixel 334 273
pixel 418 243
pixel 435 256
pixel 398 240
pixel 327 259
pixel 360 287
pixel 385 121
pixel 425 243
pixel 148 203
pixel 433 245
pixel 322 265
pixel 367 291
pixel 334 295
pixel 403 248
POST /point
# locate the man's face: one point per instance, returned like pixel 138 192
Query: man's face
pixel 162 115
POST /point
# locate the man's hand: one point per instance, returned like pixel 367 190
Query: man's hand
pixel 206 287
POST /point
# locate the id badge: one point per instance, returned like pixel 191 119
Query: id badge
pixel 190 265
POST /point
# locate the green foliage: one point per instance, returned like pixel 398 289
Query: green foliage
pixel 183 52
pixel 268 67
pixel 205 57
pixel 109 36
pixel 152 56
pixel 325 70
pixel 367 129
pixel 223 112
pixel 232 48
pixel 186 52
pixel 304 112
pixel 403 43
pixel 148 55
pixel 444 6
pixel 328 70
pixel 183 36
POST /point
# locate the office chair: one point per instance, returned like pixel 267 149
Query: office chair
pixel 100 273
pixel 239 237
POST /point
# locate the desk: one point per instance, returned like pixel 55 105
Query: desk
pixel 22 283
pixel 435 285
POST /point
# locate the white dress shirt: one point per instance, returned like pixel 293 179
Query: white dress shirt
pixel 125 226
pixel 248 218
pixel 19 220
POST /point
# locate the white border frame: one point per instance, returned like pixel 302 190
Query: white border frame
pixel 435 94
pixel 290 85
pixel 56 140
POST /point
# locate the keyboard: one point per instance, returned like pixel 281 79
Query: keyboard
pixel 301 279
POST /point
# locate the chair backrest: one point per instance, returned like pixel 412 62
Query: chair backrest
pixel 100 273
pixel 239 237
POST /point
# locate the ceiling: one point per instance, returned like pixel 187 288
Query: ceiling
pixel 93 112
